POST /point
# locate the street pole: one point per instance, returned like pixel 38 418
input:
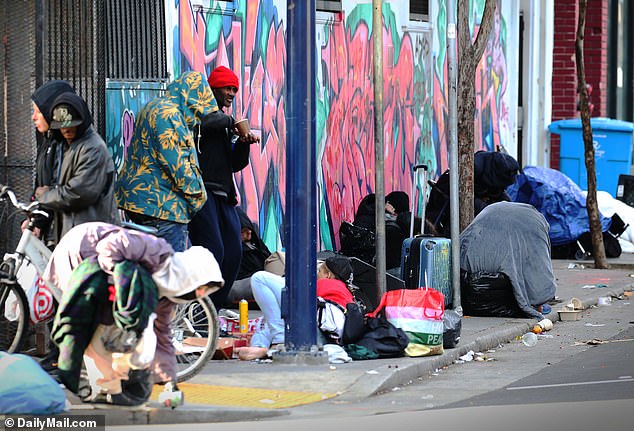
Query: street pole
pixel 454 203
pixel 379 168
pixel 299 297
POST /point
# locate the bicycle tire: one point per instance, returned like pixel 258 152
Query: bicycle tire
pixel 14 317
pixel 197 320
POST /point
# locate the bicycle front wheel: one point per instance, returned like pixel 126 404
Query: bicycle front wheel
pixel 195 331
pixel 14 317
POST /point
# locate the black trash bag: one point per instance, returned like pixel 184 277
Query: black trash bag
pixel 488 294
pixel 383 338
pixel 357 241
pixel 452 326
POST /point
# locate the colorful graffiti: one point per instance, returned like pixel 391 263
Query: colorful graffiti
pixel 251 41
pixel 492 122
pixel 123 99
pixel 249 37
pixel 346 96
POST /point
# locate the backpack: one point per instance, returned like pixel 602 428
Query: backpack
pixel 331 319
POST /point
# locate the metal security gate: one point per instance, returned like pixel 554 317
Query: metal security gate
pixel 17 137
pixel 84 42
pixel 43 40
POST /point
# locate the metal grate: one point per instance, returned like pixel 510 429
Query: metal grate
pixel 135 40
pixel 81 41
pixel 75 50
pixel 17 136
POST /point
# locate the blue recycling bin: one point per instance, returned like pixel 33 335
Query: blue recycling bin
pixel 612 140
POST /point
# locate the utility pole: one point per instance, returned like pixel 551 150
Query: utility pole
pixel 454 204
pixel 299 296
pixel 379 163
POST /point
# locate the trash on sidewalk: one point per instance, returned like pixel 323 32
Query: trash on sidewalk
pixel 596 341
pixel 604 300
pixel 529 339
pixel 567 315
pixel 574 304
pixel 467 357
pixel 576 266
pixel 571 311
pixel 594 286
pixel 171 396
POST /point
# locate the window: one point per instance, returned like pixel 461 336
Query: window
pixel 135 40
pixel 329 5
pixel 419 10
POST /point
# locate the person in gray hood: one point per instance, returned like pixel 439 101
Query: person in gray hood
pixel 82 189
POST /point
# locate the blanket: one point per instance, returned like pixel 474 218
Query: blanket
pixel 512 238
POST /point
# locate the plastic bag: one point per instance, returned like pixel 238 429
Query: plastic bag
pixel 357 241
pixel 418 312
pixel 452 326
pixel 331 319
pixel 27 389
pixel 488 294
pixel 38 294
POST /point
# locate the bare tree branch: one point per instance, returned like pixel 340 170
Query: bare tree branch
pixel 486 26
pixel 598 249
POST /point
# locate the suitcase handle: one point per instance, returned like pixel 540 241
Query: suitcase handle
pixel 425 169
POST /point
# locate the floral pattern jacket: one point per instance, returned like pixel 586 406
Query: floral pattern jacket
pixel 160 177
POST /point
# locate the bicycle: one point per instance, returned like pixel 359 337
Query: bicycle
pixel 195 326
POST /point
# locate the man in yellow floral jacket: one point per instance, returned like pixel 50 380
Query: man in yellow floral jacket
pixel 160 183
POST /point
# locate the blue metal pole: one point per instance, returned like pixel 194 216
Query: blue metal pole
pixel 299 305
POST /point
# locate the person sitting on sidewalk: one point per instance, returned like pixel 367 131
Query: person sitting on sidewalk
pixel 505 264
pixel 254 254
pixel 100 249
pixel 333 277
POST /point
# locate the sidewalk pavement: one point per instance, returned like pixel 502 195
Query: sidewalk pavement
pixel 233 390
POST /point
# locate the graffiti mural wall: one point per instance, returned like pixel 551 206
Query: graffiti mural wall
pixel 249 38
pixel 123 100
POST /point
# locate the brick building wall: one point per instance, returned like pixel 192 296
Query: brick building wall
pixel 564 82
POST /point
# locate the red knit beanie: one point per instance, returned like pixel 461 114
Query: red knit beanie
pixel 223 77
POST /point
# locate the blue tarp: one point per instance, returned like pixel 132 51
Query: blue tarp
pixel 558 198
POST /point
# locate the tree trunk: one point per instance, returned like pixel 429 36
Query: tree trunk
pixel 598 250
pixel 469 56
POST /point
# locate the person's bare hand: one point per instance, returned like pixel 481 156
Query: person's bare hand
pixel 250 137
pixel 390 209
pixel 40 191
pixel 36 230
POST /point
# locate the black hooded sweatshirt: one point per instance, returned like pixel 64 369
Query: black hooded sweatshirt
pixel 44 97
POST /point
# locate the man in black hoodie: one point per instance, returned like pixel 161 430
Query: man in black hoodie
pixel 82 189
pixel 221 153
pixel 47 146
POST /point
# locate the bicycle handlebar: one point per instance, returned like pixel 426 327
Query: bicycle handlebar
pixel 30 208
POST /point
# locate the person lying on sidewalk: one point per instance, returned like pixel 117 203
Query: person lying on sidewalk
pixel 333 277
pixel 98 263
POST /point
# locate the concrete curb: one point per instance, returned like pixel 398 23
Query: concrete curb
pixel 191 413
pixel 392 376
pixel 389 377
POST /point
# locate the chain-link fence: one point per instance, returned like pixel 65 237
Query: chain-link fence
pixel 17 74
pixel 81 41
pixel 43 40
